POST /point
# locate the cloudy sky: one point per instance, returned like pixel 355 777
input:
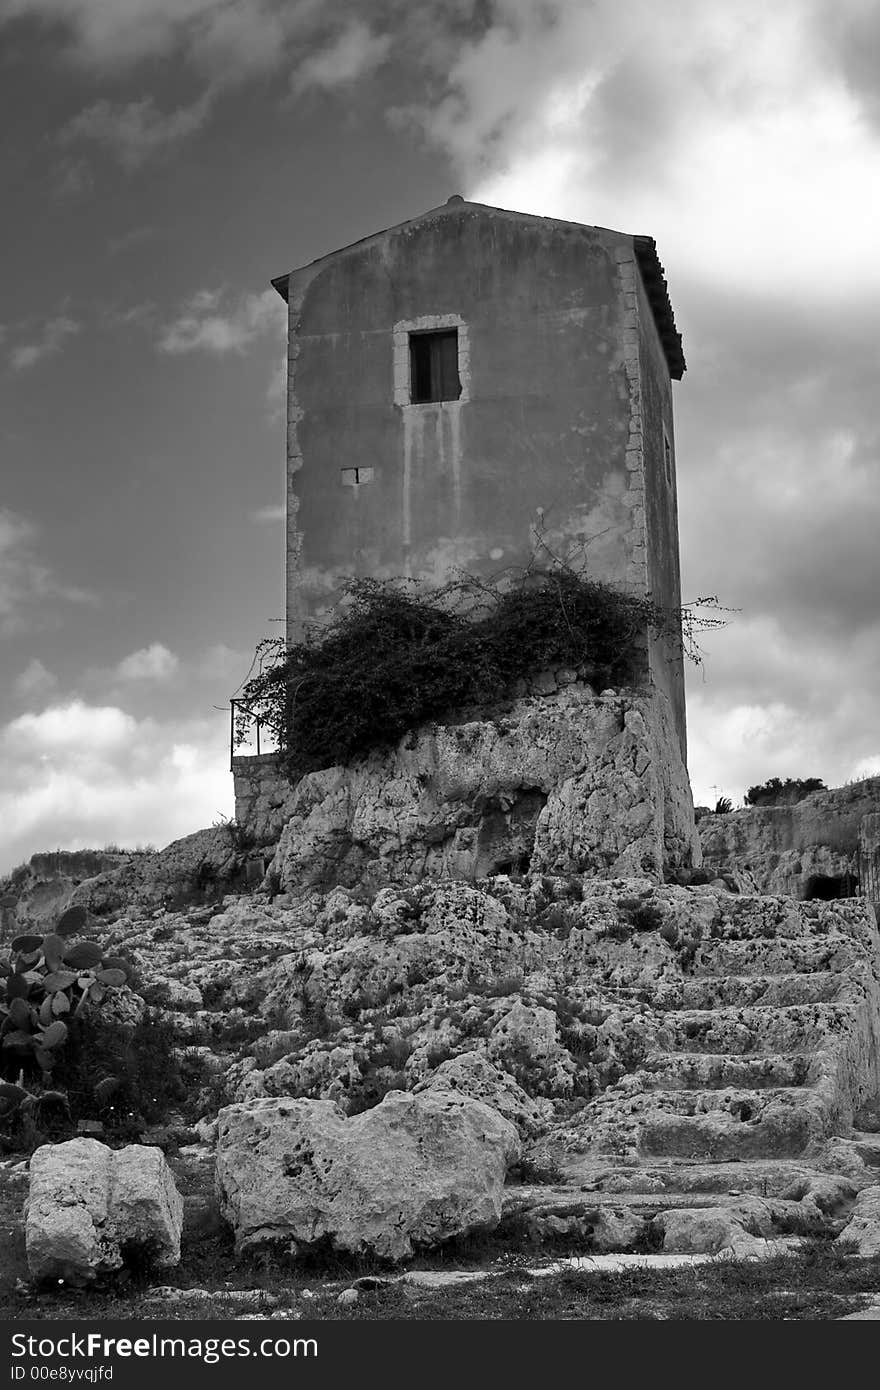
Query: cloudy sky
pixel 163 159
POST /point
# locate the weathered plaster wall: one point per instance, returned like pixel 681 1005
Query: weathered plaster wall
pixel 537 444
pixel 661 502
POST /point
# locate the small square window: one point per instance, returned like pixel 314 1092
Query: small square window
pixel 433 363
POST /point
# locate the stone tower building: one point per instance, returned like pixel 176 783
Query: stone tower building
pixel 474 387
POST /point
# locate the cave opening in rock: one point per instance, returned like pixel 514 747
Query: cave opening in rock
pixel 826 887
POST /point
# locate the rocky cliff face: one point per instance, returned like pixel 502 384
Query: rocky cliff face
pixel 36 893
pixel 569 783
pixel 197 868
pixel 805 850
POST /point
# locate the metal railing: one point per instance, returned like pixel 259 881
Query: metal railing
pixel 237 709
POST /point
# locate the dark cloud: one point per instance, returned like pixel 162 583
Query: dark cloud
pixel 852 34
pixel 779 443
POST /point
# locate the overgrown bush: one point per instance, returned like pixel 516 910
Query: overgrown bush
pixel 393 656
pixel 778 793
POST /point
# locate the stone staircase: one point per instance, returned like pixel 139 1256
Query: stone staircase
pixel 759 1059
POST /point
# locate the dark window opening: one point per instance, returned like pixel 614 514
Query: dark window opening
pixel 433 359
pixel 827 887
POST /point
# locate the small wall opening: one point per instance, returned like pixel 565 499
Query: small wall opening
pixel 513 868
pixel 506 836
pixel 433 360
pixel 827 887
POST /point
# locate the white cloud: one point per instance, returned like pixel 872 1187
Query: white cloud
pixel 70 178
pixel 354 54
pixel 79 731
pixel 730 133
pixel 118 31
pixel 50 340
pixel 205 325
pixel 247 37
pixel 276 391
pixel 153 663
pixel 27 584
pixel 135 237
pixel 35 680
pixel 136 132
pixel 79 775
pixel 223 37
pixel 775 699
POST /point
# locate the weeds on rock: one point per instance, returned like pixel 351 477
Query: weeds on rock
pixel 394 656
pixel 125 1077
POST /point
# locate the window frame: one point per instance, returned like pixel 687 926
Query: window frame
pixel 402 361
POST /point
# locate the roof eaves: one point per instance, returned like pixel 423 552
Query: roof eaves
pixel 661 307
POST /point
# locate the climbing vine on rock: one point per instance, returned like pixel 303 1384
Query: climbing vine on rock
pixel 393 655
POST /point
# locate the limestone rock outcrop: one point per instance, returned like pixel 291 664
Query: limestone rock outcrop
pixel 472 1074
pixel 767 1045
pixel 656 1047
pixel 570 783
pixel 412 1171
pixel 89 1206
pixel 197 868
pixel 807 849
pixel 34 895
pixel 863 1228
pixel 741 1229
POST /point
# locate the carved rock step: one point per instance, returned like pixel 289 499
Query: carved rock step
pixel 778 956
pixel 718 1125
pixel 790 1215
pixel 772 918
pixel 791 1027
pixel 811 1204
pixel 787 1178
pixel 742 1103
pixel 713 1070
pixel 778 1131
pixel 755 991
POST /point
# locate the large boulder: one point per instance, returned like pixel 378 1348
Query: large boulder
pixel 413 1171
pixel 90 1207
pixel 473 1075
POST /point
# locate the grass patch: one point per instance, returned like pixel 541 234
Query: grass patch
pixel 818 1283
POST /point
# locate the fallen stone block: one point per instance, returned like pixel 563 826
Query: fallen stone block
pixel 415 1170
pixel 90 1207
